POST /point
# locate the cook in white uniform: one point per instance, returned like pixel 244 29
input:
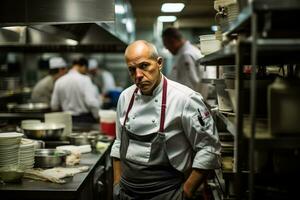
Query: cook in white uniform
pixel 42 91
pixel 185 68
pixel 166 138
pixel 76 93
pixel 101 77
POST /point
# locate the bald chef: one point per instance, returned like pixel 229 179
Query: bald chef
pixel 166 138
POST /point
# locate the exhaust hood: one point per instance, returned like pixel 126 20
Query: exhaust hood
pixel 27 12
pixel 60 25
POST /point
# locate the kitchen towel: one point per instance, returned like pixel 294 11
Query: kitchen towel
pixel 54 175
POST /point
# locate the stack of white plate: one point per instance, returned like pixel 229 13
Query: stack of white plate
pixel 26 154
pixel 233 12
pixel 61 117
pixel 9 149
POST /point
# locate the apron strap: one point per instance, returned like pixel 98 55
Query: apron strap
pixel 130 105
pixel 163 106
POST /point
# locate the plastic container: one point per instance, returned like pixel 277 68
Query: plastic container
pixel 108 122
pixel 284 107
pixel 209 44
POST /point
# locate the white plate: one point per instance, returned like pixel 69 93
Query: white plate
pixel 10 135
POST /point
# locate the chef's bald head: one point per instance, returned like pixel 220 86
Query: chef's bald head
pixel 141 47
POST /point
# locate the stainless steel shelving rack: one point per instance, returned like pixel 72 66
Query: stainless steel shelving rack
pixel 266 34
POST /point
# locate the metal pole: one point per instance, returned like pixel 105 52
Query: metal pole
pixel 238 140
pixel 253 104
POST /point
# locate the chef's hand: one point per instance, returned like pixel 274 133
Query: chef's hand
pixel 195 179
pixel 187 193
pixel 116 191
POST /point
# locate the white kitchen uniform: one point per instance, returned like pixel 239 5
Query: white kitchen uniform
pixel 75 93
pixel 185 69
pixel 42 91
pixel 190 135
pixel 108 81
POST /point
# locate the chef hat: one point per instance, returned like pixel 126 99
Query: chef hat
pixel 93 63
pixel 57 62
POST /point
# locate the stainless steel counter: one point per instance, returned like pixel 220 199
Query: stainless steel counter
pixel 81 186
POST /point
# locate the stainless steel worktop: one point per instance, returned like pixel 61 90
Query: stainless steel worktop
pixel 79 186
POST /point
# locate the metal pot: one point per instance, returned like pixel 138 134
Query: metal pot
pixel 46 158
pixel 44 131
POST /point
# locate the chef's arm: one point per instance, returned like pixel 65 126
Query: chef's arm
pixel 117 170
pixel 195 179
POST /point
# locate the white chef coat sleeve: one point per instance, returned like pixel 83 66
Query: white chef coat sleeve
pixel 55 104
pixel 201 132
pixel 115 150
pixel 90 98
pixel 191 68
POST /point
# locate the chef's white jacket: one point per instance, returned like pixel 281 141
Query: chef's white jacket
pixel 42 91
pixel 188 143
pixel 75 92
pixel 185 69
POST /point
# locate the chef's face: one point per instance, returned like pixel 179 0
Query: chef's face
pixel 143 69
pixel 171 45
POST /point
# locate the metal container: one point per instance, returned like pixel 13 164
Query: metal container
pixel 46 158
pixel 44 131
pixel 83 138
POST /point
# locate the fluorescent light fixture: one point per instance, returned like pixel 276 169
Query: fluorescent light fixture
pixel 71 42
pixel 167 18
pixel 119 9
pixel 172 7
pixel 17 29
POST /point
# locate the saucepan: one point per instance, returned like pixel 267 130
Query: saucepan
pixel 44 131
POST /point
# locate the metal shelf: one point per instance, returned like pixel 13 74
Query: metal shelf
pixel 263 139
pixel 267 141
pixel 224 56
pixel 229 124
pixel 243 22
pixel 269 52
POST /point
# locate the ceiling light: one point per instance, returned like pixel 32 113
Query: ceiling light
pixel 167 18
pixel 172 7
pixel 17 29
pixel 71 42
pixel 119 9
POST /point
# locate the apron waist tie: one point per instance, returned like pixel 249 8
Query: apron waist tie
pixel 151 189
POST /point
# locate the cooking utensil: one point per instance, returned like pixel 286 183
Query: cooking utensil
pixel 44 131
pixel 46 158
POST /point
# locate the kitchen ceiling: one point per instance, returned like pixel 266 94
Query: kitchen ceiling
pixel 196 13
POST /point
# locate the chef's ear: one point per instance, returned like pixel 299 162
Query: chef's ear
pixel 160 62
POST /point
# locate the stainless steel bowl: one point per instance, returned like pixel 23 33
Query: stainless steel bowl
pixel 44 131
pixel 83 138
pixel 46 158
